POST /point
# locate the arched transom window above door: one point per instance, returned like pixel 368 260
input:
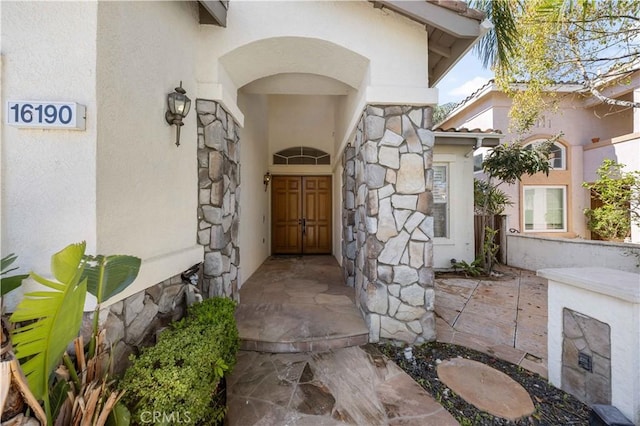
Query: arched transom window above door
pixel 301 155
pixel 557 154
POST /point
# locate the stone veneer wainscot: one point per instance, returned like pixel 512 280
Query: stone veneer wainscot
pixel 388 222
pixel 218 198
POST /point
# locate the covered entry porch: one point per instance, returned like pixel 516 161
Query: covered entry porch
pixel 299 304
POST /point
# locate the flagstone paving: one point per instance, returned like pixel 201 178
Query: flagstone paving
pixel 354 385
pixel 486 388
pixel 305 362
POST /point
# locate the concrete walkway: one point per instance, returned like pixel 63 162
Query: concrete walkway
pixel 504 316
pixel 305 361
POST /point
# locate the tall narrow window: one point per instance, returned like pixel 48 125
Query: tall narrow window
pixel 545 208
pixel 441 201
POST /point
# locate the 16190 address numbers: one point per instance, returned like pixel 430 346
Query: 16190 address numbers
pixel 45 114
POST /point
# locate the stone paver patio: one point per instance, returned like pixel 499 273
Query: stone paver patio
pixel 324 374
pixel 505 317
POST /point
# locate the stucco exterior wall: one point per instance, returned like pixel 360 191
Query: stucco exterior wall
pixel 298 120
pixel 255 213
pixel 48 176
pixel 146 186
pixel 533 253
pixel 380 54
pixel 460 243
pixel 611 121
pixel 353 25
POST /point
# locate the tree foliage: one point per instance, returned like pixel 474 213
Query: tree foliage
pixel 590 43
pixel 509 162
pixel 488 198
pixel 617 192
pixel 440 112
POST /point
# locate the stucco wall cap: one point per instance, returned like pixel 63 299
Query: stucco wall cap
pixel 610 282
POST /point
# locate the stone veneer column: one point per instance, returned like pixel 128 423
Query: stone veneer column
pixel 394 223
pixel 349 246
pixel 218 198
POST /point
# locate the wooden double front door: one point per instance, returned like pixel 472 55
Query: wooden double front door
pixel 301 215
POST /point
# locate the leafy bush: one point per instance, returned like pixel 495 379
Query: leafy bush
pixel 176 380
pixel 488 199
pixel 218 311
pixel 617 192
pixel 473 269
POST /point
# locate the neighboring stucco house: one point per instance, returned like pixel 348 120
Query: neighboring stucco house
pixel 332 98
pixel 553 205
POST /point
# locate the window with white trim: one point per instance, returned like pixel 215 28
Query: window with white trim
pixel 557 154
pixel 441 200
pixel 545 208
pixel 477 163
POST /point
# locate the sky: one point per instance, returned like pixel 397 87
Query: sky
pixel 465 78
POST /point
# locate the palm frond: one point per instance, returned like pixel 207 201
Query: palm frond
pixel 498 44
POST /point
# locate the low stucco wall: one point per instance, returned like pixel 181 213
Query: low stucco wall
pixel 533 253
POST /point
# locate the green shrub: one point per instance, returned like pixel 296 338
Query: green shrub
pixel 217 311
pixel 175 381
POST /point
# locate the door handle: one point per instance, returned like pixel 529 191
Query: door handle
pixel 303 222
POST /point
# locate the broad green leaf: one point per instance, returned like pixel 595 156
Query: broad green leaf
pixel 54 319
pixel 11 283
pixel 109 275
pixel 67 261
pixel 119 416
pixel 6 261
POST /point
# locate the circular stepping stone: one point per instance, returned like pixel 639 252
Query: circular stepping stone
pixel 486 388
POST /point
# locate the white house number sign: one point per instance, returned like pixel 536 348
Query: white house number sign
pixel 45 115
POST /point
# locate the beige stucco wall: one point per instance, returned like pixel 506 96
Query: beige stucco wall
pixel 385 39
pixel 299 120
pixel 380 54
pixel 460 243
pixel 48 176
pixel 146 185
pixel 121 184
pixel 254 200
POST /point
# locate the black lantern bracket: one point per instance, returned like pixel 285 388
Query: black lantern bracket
pixel 178 108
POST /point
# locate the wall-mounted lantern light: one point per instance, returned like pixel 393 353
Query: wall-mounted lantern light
pixel 266 180
pixel 179 105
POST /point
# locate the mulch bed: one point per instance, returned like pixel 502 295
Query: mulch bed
pixel 553 406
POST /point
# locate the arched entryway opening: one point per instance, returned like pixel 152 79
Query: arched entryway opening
pixel 381 184
pixel 293 92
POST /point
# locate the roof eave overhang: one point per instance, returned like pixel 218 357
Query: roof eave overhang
pixel 465 30
pixel 475 139
pixel 213 12
pixel 457 52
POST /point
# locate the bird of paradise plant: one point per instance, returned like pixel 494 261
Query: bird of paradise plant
pixel 48 320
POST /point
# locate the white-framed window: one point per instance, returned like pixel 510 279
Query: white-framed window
pixel 441 222
pixel 478 158
pixel 557 154
pixel 477 163
pixel 545 208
